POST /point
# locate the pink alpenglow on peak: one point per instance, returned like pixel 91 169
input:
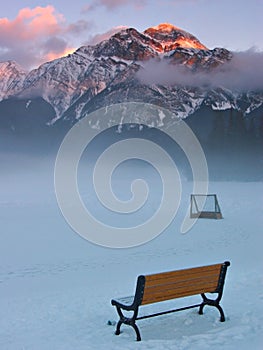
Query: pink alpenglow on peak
pixel 172 37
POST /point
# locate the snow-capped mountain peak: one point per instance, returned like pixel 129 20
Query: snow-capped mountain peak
pixel 172 37
pixel 107 73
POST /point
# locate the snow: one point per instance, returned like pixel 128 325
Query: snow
pixel 56 287
pixel 222 105
pixel 121 61
pixel 28 103
pixel 161 118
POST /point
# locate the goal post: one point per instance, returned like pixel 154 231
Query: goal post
pixel 205 206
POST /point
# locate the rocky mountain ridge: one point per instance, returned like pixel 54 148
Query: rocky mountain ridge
pixel 94 76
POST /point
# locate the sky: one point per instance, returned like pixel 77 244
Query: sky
pixel 33 32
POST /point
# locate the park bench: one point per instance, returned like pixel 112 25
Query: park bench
pixel 170 285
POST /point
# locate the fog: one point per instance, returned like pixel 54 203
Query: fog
pixel 27 177
pixel 28 194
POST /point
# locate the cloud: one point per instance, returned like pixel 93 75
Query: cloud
pixel 243 72
pixel 138 4
pixel 113 4
pixel 104 36
pixel 78 27
pixel 37 34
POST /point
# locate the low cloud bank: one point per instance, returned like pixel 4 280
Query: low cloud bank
pixel 243 72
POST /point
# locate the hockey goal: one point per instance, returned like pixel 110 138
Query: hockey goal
pixel 205 206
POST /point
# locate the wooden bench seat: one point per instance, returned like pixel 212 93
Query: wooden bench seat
pixel 171 285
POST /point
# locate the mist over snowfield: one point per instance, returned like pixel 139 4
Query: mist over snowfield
pixel 56 287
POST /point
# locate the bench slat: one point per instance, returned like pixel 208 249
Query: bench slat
pixel 154 294
pixel 183 274
pixel 184 279
pixel 181 283
pixel 203 281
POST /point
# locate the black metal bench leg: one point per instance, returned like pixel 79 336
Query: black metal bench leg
pixel 211 302
pixel 201 309
pixel 134 326
pixel 222 316
pixel 130 321
pixel 118 328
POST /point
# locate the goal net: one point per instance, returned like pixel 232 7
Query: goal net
pixel 205 206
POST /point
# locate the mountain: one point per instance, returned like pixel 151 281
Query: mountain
pixel 51 98
pixel 109 72
pixel 12 79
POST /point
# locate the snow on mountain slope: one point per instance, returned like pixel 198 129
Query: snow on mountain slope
pixel 11 79
pixel 71 83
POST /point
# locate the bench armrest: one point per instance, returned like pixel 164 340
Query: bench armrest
pixel 125 303
pixel 132 302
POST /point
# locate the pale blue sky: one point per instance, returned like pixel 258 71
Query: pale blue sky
pixel 233 24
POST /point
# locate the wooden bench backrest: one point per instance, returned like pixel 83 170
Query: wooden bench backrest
pixel 181 283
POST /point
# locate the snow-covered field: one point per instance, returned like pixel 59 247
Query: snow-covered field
pixel 56 288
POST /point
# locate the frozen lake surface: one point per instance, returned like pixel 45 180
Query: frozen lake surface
pixel 56 287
